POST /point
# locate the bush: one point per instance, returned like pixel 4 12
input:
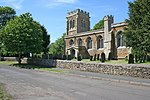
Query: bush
pixel 131 59
pixel 103 57
pixel 69 57
pixel 95 57
pixel 98 57
pixel 91 58
pixel 79 58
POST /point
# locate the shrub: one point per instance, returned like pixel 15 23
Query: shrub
pixel 91 58
pixel 98 57
pixel 79 58
pixel 131 59
pixel 95 57
pixel 103 57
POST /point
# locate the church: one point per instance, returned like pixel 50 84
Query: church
pixel 81 40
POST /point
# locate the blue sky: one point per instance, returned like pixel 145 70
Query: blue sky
pixel 52 13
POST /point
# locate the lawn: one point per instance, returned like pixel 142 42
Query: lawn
pixel 8 62
pixel 110 61
pixel 3 94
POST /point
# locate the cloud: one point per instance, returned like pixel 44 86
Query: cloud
pixel 54 3
pixel 65 1
pixel 15 3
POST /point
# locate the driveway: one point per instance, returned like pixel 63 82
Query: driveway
pixel 25 84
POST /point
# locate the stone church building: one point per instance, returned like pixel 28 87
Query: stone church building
pixel 81 40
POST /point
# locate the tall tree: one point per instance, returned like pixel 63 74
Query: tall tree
pixel 46 40
pixel 138 31
pixel 22 35
pixel 6 13
pixel 58 46
pixel 99 25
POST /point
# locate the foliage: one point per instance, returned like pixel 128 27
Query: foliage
pixel 3 94
pixel 22 35
pixel 103 57
pixel 99 25
pixel 6 13
pixel 46 40
pixel 131 59
pixel 138 32
pixel 57 47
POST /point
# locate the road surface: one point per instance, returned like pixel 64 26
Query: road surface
pixel 25 84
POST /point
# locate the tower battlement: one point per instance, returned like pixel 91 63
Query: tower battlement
pixel 78 11
pixel 108 17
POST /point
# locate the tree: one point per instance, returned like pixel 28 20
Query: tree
pixel 6 13
pixel 57 47
pixel 138 31
pixel 46 40
pixel 99 25
pixel 22 35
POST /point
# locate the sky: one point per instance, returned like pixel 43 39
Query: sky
pixel 52 13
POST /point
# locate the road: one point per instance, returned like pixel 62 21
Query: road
pixel 25 84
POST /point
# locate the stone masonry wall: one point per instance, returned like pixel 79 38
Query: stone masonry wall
pixel 125 70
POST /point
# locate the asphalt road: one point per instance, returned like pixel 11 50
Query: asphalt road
pixel 26 84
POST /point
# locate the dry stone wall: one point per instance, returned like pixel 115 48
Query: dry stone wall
pixel 125 70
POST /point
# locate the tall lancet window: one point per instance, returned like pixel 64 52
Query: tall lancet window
pixel 89 43
pixel 100 42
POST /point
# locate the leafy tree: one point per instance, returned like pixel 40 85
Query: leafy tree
pixel 138 31
pixel 22 35
pixel 46 40
pixel 6 13
pixel 99 25
pixel 57 47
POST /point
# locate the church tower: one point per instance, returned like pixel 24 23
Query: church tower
pixel 77 21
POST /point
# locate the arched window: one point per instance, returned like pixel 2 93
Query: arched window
pixel 100 42
pixel 79 42
pixel 71 42
pixel 89 43
pixel 71 24
pixel 120 39
pixel 83 23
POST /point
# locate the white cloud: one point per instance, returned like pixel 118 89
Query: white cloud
pixel 15 3
pixel 66 1
pixel 54 3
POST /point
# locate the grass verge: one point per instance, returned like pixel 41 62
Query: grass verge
pixel 42 68
pixel 3 94
pixel 8 62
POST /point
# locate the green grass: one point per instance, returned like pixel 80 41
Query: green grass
pixel 53 70
pixel 8 62
pixel 3 94
pixel 117 62
pixel 110 62
pixel 43 68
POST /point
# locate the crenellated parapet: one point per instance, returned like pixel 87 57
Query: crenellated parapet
pixel 78 11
